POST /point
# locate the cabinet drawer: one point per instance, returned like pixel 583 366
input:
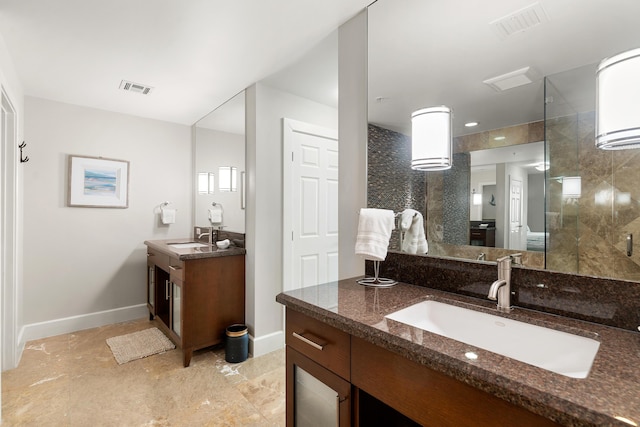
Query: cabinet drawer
pixel 158 258
pixel 176 268
pixel 480 234
pixel 320 342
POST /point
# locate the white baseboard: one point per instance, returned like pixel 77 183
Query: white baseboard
pixel 67 325
pixel 266 344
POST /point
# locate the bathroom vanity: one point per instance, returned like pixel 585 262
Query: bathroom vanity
pixel 338 334
pixel 195 291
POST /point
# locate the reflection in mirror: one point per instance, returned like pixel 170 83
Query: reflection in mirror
pixel 220 146
pixel 206 182
pixel 463 69
pixel 228 178
pixel 518 225
pixel 592 195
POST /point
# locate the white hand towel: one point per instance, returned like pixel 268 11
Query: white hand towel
pixel 415 241
pixel 215 214
pixel 374 232
pixel 168 216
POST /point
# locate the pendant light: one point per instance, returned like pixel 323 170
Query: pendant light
pixel 618 102
pixel 431 139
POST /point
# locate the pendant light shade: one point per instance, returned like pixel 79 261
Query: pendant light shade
pixel 431 139
pixel 618 102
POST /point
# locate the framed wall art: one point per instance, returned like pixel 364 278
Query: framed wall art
pixel 96 182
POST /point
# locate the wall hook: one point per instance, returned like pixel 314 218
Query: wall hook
pixel 23 159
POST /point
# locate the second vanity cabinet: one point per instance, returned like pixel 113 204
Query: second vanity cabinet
pixel 195 300
pixel 366 384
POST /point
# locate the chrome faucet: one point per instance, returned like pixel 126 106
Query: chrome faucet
pixel 481 257
pixel 501 288
pixel 211 232
pixel 201 235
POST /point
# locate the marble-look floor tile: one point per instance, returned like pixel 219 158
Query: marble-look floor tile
pixel 74 380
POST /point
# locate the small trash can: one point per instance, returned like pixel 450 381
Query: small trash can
pixel 236 349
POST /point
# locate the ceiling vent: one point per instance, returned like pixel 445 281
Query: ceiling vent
pixel 513 79
pixel 520 20
pixel 135 87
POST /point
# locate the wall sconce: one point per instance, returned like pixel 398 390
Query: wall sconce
pixel 618 102
pixel 227 178
pixel 206 182
pixel 571 186
pixel 431 139
pixel 476 198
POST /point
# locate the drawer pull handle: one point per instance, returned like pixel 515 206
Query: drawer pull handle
pixel 175 268
pixel 308 341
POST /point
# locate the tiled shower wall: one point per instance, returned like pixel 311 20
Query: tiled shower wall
pixel 587 234
pixel 391 183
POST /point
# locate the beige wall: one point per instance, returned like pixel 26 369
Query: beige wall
pixel 11 172
pixel 266 107
pixel 85 266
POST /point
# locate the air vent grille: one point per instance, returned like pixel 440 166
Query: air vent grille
pixel 135 87
pixel 520 20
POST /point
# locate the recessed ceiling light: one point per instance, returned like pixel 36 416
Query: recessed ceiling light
pixel 471 124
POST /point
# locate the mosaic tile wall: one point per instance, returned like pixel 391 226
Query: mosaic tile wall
pixel 391 183
pixel 455 200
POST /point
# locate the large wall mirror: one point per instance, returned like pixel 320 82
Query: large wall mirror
pixel 524 72
pixel 219 162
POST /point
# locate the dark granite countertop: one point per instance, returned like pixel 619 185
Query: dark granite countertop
pixel 612 388
pixel 208 251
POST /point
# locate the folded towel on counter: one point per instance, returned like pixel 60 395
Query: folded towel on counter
pixel 414 241
pixel 374 232
pixel 168 216
pixel 215 214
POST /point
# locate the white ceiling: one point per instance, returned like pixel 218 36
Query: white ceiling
pixel 196 54
pixel 426 53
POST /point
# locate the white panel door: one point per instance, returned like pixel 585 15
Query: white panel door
pixel 310 201
pixel 517 235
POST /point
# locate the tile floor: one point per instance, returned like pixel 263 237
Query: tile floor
pixel 73 380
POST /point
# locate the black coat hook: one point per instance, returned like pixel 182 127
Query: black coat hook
pixel 24 159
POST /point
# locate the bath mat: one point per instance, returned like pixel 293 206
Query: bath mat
pixel 137 345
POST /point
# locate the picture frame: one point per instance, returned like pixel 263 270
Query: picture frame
pixel 97 182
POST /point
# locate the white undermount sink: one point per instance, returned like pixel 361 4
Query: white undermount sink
pixel 561 352
pixel 186 245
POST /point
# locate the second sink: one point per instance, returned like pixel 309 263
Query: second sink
pixel 186 245
pixel 561 352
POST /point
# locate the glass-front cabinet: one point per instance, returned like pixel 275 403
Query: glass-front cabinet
pixel 176 306
pixel 320 398
pixel 151 285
